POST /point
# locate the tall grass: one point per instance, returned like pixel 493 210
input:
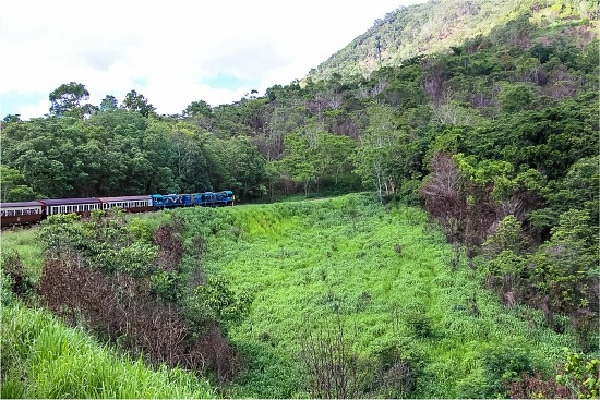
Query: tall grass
pixel 383 270
pixel 43 359
pixel 24 242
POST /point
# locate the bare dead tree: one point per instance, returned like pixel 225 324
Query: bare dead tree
pixel 444 202
pixel 326 356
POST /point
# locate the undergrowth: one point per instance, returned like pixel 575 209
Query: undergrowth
pixel 384 271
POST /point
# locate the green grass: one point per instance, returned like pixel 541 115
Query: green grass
pixel 43 359
pixel 24 242
pixel 302 261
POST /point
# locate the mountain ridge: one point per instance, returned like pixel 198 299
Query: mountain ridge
pixel 438 25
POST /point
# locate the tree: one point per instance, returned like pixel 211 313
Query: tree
pixel 12 118
pixel 508 237
pixel 199 109
pixel 516 97
pixel 380 150
pixel 137 102
pixel 12 187
pixel 109 103
pixel 566 266
pixel 299 160
pixel 67 98
pixel 247 167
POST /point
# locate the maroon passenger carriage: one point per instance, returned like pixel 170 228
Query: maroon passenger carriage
pixel 130 204
pixel 21 214
pixel 79 206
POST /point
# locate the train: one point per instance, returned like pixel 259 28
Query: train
pixel 32 212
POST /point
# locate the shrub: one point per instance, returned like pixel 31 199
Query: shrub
pixel 420 324
pixel 398 369
pixel 504 366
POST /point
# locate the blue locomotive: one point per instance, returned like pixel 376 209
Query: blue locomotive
pixel 208 199
pixel 27 213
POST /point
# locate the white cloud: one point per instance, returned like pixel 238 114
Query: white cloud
pixel 166 50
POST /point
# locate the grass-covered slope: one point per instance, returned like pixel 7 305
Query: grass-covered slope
pixel 385 275
pixel 326 277
pixel 41 358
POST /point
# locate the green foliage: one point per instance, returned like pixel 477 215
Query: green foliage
pixel 508 237
pixel 513 103
pixel 66 99
pixel 6 283
pixel 109 103
pixel 420 325
pixel 302 261
pixel 141 229
pixel 578 189
pixel 137 102
pixel 43 359
pixel 216 302
pixel 566 259
pixel 502 366
pixel 581 376
pixel 12 186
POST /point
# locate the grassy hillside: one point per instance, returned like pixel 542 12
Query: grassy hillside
pixel 383 275
pixel 341 284
pixel 41 358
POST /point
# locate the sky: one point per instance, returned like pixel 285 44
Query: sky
pixel 172 52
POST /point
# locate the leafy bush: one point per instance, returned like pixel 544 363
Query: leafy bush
pixel 502 366
pixel 420 324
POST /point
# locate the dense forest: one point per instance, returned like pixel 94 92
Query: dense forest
pixel 493 132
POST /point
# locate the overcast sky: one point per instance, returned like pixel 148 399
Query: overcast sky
pixel 173 52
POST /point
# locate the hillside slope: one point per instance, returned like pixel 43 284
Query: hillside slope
pixel 373 286
pixel 438 25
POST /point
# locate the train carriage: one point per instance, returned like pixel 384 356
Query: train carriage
pixel 23 213
pixel 129 204
pixel 79 206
